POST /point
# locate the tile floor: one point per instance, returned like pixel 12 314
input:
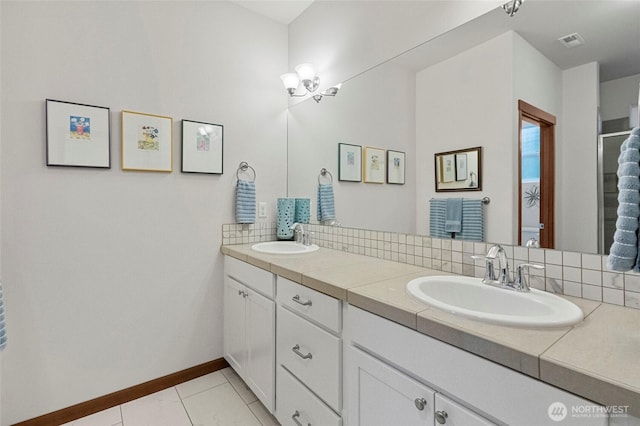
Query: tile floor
pixel 220 398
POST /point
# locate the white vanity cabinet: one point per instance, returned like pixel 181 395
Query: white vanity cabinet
pixel 309 355
pixel 387 360
pixel 249 327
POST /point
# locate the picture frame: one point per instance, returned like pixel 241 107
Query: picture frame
pixel 459 170
pixel 77 135
pixel 447 168
pixel 461 167
pixel 349 162
pixel 373 165
pixel 202 147
pixel 395 167
pixel 147 142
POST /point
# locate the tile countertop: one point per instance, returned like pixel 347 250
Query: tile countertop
pixel 598 359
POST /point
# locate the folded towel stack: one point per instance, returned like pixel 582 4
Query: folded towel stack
pixel 245 201
pixel 624 253
pixel 326 205
pixel 3 331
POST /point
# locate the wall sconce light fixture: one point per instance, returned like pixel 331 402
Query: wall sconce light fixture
pixel 512 6
pixel 306 75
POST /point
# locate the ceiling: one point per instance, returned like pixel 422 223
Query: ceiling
pixel 283 11
pixel 610 28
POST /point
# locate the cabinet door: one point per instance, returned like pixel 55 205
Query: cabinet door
pixel 453 414
pixel 261 343
pixel 234 324
pixel 377 394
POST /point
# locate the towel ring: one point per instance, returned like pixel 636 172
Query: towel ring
pixel 243 167
pixel 323 173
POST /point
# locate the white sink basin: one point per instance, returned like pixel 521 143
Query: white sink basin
pixel 283 247
pixel 471 298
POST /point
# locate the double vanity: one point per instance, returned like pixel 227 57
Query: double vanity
pixel 325 337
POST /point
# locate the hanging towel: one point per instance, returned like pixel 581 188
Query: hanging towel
pixel 437 217
pixel 326 205
pixel 472 221
pixel 245 201
pixel 623 255
pixel 453 221
pixel 3 331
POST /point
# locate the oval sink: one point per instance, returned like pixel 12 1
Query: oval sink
pixel 283 247
pixel 471 298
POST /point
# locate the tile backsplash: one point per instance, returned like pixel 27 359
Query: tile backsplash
pixel 575 274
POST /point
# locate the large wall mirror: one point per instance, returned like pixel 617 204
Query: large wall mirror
pixel 461 89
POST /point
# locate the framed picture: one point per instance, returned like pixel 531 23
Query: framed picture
pixel 447 168
pixel 147 142
pixel 374 165
pixel 350 162
pixel 459 170
pixel 395 167
pixel 77 135
pixel 202 147
pixel 461 167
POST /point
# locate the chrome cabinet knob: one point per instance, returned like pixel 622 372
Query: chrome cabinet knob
pixel 420 403
pixel 441 417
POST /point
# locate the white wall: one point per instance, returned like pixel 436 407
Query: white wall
pixel 617 95
pixel 343 39
pixel 579 151
pixel 114 278
pixel 465 102
pixel 377 110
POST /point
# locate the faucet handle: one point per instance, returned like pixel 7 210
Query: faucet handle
pixel 490 272
pixel 520 283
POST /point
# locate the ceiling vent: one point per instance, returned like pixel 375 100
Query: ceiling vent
pixel 571 40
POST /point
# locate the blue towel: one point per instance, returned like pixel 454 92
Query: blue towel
pixel 245 201
pixel 3 331
pixel 326 205
pixel 624 253
pixel 437 217
pixel 472 220
pixel 453 221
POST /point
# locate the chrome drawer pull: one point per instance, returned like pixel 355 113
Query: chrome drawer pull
pixel 295 418
pixel 296 350
pixel 420 403
pixel 296 299
pixel 441 417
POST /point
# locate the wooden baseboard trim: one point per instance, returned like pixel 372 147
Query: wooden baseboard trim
pixel 101 403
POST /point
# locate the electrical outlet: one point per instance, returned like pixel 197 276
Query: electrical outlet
pixel 262 209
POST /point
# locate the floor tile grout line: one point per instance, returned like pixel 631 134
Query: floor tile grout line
pixel 202 391
pixel 184 407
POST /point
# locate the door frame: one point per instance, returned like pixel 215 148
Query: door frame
pixel 547 124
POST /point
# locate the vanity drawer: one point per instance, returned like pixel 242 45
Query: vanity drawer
pixel 318 307
pixel 258 279
pixel 311 354
pixel 296 405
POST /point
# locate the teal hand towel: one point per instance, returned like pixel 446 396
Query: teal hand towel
pixel 246 201
pixel 326 204
pixel 453 220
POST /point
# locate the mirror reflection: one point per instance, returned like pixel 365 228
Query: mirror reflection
pixel 462 89
pixel 458 170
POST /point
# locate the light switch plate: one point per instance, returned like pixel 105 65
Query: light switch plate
pixel 262 209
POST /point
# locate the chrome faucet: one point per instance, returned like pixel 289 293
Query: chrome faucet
pixel 519 282
pixel 298 231
pixel 503 262
pixel 301 235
